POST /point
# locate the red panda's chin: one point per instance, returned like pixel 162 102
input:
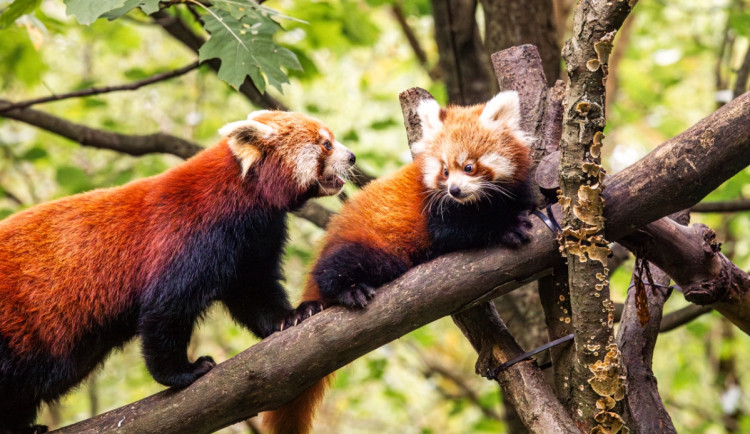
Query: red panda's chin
pixel 330 185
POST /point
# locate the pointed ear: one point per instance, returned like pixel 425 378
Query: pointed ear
pixel 248 131
pixel 245 141
pixel 429 118
pixel 504 110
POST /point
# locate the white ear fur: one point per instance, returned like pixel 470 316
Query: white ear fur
pixel 243 137
pixel 429 117
pixel 503 110
pixel 257 113
pixel 248 128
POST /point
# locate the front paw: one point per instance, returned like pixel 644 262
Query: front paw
pixel 304 311
pixel 518 234
pixel 357 296
pixel 201 366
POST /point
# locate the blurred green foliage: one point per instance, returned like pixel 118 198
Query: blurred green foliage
pixel 354 62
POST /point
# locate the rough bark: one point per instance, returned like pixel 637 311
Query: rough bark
pixel 512 23
pixel 463 60
pixel 639 328
pixel 706 145
pixel 597 376
pixel 636 342
pixel 278 368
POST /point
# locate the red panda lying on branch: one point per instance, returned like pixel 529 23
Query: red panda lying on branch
pixel 83 275
pixel 467 188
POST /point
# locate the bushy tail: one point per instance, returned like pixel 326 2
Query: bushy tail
pixel 296 416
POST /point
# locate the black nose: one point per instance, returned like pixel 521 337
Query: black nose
pixel 352 158
pixel 454 191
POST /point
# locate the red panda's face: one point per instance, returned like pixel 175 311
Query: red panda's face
pixel 466 153
pixel 302 146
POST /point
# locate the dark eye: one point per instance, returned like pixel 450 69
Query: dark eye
pixel 445 172
pixel 469 168
pixel 327 145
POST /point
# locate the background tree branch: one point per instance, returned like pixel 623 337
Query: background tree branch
pixel 86 136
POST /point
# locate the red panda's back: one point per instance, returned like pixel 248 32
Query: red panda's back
pixel 387 215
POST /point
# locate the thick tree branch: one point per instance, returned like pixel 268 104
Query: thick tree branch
pixel 100 90
pixel 704 147
pixel 523 383
pixel 280 367
pixel 637 340
pixel 513 23
pixel 129 144
pixel 690 255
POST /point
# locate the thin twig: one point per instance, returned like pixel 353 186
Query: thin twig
pixel 728 206
pixel 682 316
pixel 398 13
pixel 100 90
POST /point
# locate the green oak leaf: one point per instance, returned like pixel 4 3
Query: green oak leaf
pixel 87 11
pixel 242 38
pixel 147 6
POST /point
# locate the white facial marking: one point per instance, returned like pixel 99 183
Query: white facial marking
pixel 462 157
pixel 323 133
pixel 502 111
pixel 431 168
pixel 306 164
pixel 429 116
pixel 500 166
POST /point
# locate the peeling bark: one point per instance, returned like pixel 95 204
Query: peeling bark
pixel 597 377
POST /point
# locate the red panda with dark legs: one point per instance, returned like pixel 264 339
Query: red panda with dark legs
pixel 467 188
pixel 84 274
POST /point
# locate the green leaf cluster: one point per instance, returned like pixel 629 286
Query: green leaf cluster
pixel 242 38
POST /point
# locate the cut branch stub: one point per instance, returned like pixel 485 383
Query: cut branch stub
pixel 410 100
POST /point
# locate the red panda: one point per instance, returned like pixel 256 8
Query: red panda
pixel 468 187
pixel 84 274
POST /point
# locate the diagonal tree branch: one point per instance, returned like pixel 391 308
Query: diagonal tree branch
pixel 281 366
pixel 100 90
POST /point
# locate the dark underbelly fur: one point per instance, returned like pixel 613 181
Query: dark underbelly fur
pixel 494 220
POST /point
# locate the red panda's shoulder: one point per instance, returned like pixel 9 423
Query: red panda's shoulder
pixel 386 214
